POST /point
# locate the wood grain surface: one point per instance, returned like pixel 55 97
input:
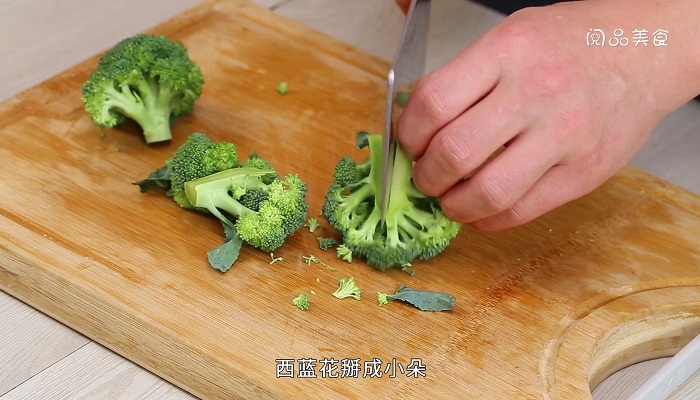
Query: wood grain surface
pixel 80 243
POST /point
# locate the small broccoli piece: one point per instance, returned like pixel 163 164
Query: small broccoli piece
pixel 149 79
pixel 382 299
pixel 407 268
pixel 310 259
pixel 326 243
pixel 312 223
pixel 415 226
pixel 348 288
pixel 275 259
pixel 344 253
pixel 301 301
pixel 282 88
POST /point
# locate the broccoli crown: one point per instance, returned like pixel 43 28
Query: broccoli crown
pixel 415 226
pixel 278 214
pixel 147 78
pixel 196 158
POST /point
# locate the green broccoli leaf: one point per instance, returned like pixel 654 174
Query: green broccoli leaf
pixel 362 139
pixel 223 257
pixel 159 178
pixel 422 299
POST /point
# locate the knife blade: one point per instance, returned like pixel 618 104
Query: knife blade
pixel 407 67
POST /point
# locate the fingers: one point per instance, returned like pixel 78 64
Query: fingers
pixel 501 182
pixel 466 143
pixel 445 94
pixel 553 190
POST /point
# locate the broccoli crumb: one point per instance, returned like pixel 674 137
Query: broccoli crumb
pixel 275 259
pixel 282 88
pixel 326 243
pixel 344 253
pixel 310 259
pixel 348 288
pixel 318 279
pixel 301 301
pixel 328 266
pixel 312 292
pixel 103 135
pixel 407 268
pixel 312 224
pixel 381 299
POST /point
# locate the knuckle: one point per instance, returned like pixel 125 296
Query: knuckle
pixel 434 99
pixel 455 150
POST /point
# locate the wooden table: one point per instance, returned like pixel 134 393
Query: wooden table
pixel 36 352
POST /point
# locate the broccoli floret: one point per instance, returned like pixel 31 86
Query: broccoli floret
pixel 415 225
pixel 147 78
pixel 196 158
pixel 312 223
pixel 279 216
pixel 326 243
pixel 348 288
pixel 301 301
pixel 382 299
pixel 344 253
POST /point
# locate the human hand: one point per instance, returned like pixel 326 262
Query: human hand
pixel 568 114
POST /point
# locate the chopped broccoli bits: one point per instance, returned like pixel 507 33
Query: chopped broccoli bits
pixel 348 288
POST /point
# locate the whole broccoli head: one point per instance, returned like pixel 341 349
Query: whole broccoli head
pixel 415 228
pixel 147 78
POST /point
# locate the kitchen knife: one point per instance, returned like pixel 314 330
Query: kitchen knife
pixel 408 66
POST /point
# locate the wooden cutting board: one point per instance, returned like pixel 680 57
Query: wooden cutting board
pixel 543 311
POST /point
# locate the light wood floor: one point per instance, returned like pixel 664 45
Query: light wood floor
pixel 42 359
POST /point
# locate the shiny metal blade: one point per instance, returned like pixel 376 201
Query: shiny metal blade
pixel 408 67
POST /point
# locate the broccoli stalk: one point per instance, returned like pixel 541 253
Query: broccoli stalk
pixel 415 228
pixel 147 78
